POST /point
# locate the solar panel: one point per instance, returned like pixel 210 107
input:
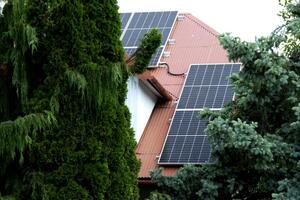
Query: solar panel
pixel 213 96
pixel 205 86
pixel 191 149
pixel 124 19
pixel 136 25
pixel 187 123
pixel 155 56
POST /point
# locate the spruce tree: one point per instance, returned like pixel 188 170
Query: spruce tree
pixel 65 130
pixel 255 139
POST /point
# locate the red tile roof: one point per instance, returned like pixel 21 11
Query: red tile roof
pixel 195 42
pixel 147 77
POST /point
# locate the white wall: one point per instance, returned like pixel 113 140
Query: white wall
pixel 140 101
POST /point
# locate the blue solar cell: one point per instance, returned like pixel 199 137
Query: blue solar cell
pixel 217 75
pixel 155 57
pixel 127 37
pixel 192 99
pixel 225 76
pixel 219 98
pixel 187 123
pixel 187 116
pixel 153 20
pixel 176 150
pixel 205 86
pixel 124 19
pixel 134 20
pixel 156 19
pixel 207 76
pixel 236 68
pixel 176 123
pixel 204 155
pixel 140 35
pixel 211 94
pixel 199 76
pixel 149 20
pixel 165 34
pixel 141 23
pixel 168 149
pixel 186 149
pixel 172 16
pixel 196 149
pixel 184 97
pixel 191 76
pixel 163 19
pixel 200 97
pixel 211 74
pixel 205 96
pixel 228 95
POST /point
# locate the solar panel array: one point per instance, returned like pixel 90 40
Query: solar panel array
pixel 124 19
pixel 136 25
pixel 205 86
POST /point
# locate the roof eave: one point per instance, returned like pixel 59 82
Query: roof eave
pixel 151 81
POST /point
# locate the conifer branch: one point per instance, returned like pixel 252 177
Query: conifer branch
pixel 15 135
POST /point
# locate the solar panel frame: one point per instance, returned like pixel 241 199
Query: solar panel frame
pixel 172 28
pixel 155 56
pixel 190 117
pixel 140 23
pixel 215 96
pixel 137 26
pixel 124 19
pixel 199 144
pixel 209 159
pixel 125 22
pixel 206 86
pixel 140 18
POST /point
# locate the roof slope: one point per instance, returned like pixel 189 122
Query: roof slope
pixel 195 42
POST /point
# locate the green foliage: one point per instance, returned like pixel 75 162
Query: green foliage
pixel 23 38
pixel 15 135
pixel 102 83
pixel 159 196
pixel 74 137
pixel 76 80
pixel 255 139
pixel 183 185
pixel 147 48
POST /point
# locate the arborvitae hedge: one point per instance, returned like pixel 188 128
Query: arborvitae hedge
pixel 69 131
pixel 90 155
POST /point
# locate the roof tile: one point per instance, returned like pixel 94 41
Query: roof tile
pixel 195 42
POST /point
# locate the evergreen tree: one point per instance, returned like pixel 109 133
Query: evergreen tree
pixel 64 128
pixel 255 139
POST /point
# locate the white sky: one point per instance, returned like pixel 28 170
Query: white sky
pixel 243 18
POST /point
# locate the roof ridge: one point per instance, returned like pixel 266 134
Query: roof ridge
pixel 202 24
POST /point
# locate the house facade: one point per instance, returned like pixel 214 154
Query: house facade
pixel 153 96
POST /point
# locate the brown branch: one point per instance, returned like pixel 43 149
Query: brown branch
pixel 3 69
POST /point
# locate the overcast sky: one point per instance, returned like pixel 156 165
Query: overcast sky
pixel 243 18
